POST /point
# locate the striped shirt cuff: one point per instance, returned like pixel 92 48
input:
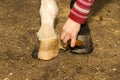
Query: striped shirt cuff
pixel 79 12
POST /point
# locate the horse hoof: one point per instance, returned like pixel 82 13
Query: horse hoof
pixel 49 48
pixel 85 36
pixel 83 49
pixel 46 49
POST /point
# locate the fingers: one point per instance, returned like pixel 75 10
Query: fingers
pixel 65 36
pixel 73 40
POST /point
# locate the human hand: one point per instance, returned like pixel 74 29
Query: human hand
pixel 70 31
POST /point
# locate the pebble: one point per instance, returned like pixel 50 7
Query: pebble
pixel 112 29
pixel 63 66
pixel 28 48
pixel 115 46
pixel 116 31
pixel 6 79
pixel 114 69
pixel 10 74
pixel 97 40
pixel 26 79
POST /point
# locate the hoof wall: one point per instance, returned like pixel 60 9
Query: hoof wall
pixel 49 48
pixel 46 49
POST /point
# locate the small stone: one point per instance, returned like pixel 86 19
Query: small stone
pixel 6 79
pixel 97 40
pixel 28 48
pixel 32 28
pixel 100 48
pixel 63 66
pixel 114 69
pixel 11 74
pixel 116 31
pixel 115 46
pixel 110 70
pixel 26 79
pixel 112 29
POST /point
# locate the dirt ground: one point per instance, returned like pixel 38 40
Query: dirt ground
pixel 19 23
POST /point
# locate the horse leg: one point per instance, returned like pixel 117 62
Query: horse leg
pixel 49 46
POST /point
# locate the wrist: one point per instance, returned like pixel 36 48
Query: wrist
pixel 72 21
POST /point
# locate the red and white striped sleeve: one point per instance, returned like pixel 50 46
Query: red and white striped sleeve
pixel 79 12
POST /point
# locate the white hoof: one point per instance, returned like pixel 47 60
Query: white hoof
pixel 49 48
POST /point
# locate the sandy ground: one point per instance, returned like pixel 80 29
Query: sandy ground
pixel 19 23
